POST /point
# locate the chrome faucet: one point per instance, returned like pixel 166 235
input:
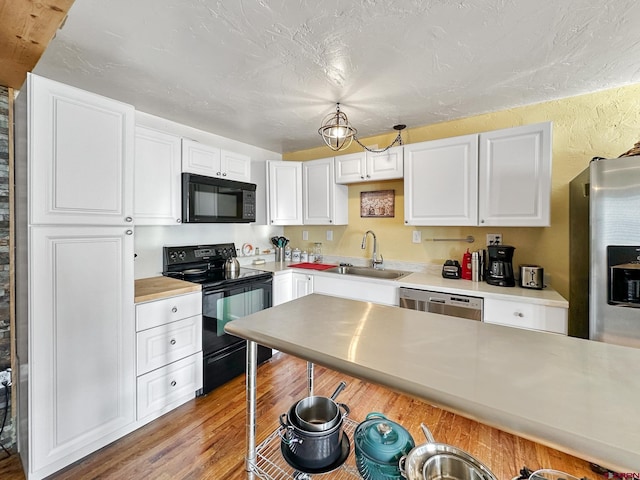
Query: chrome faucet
pixel 375 263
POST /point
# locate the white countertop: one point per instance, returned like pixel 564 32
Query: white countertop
pixel 429 281
pixel 574 395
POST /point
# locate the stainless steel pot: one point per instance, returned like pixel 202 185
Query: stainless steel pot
pixel 318 414
pixel 439 461
pixel 310 451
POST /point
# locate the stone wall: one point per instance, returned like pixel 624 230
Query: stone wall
pixel 8 434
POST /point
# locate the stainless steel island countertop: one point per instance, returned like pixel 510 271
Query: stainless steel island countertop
pixel 577 396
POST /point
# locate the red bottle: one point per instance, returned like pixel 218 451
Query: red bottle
pixel 466 265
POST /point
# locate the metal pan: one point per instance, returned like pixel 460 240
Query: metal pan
pixel 439 461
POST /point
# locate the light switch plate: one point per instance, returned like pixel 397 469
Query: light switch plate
pixel 305 235
pixel 417 236
pixel 330 235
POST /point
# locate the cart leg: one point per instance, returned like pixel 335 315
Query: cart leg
pixel 251 380
pixel 310 378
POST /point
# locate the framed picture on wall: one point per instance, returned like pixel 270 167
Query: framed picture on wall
pixel 380 203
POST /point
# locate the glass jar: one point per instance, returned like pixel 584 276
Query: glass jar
pixel 287 254
pixel 304 257
pixel 295 255
pixel 317 252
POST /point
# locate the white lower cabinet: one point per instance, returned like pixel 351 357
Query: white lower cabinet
pixel 356 289
pixel 302 284
pixel 526 315
pixel 282 287
pixel 169 353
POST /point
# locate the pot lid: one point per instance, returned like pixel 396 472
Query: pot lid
pixel 381 439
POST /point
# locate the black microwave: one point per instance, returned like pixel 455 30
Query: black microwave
pixel 217 200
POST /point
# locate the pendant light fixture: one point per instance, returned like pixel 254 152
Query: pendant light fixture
pixel 337 132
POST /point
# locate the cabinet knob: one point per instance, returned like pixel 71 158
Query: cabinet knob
pixel 178 220
pixel 224 174
pixel 368 176
pixel 218 173
pixel 173 383
pixel 129 232
pixel 519 314
pixel 128 219
pixel 481 221
pixel 361 177
pixel 174 309
pixel 173 341
pixel 330 221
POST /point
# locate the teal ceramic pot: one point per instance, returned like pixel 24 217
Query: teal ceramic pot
pixel 379 445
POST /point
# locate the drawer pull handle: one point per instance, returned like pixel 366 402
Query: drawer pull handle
pixel 519 314
pixel 173 383
pixel 173 341
pixel 174 309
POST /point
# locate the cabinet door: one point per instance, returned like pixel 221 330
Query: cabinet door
pixel 285 193
pixel 515 176
pixel 235 166
pixel 81 150
pixel 441 178
pixel 324 202
pixel 157 189
pixel 526 315
pixel 200 159
pixel 282 287
pixel 386 165
pixel 302 284
pixel 82 376
pixel 351 168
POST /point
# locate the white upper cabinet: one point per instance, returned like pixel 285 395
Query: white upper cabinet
pixel 441 182
pixel 324 202
pixel 81 156
pixel 236 166
pixel 157 189
pixel 369 166
pixel 498 178
pixel 515 176
pixel 285 192
pixel 213 162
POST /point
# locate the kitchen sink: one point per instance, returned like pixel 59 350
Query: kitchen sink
pixel 369 272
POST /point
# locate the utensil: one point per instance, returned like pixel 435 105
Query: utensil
pixel 439 461
pixel 379 445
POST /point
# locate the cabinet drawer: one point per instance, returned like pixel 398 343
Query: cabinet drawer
pixel 167 343
pixel 166 388
pixel 160 312
pixel 526 315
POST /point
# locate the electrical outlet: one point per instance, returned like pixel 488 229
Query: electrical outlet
pixel 330 235
pixel 305 235
pixel 494 239
pixel 417 236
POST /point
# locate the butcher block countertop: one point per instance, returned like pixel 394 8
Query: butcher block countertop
pixel 155 288
pixel 574 395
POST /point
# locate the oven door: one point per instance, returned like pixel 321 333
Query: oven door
pixel 224 304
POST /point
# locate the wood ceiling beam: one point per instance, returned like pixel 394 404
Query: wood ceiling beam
pixel 26 28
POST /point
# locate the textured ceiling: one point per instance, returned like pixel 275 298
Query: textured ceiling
pixel 266 72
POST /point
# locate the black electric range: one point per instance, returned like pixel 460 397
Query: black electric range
pixel 225 297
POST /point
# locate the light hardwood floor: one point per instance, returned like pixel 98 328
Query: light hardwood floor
pixel 204 439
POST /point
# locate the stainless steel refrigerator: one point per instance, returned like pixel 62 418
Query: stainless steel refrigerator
pixel 604 289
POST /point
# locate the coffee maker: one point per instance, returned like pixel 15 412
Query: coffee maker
pixel 500 266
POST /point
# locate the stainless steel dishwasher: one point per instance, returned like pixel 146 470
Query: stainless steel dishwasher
pixel 450 304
